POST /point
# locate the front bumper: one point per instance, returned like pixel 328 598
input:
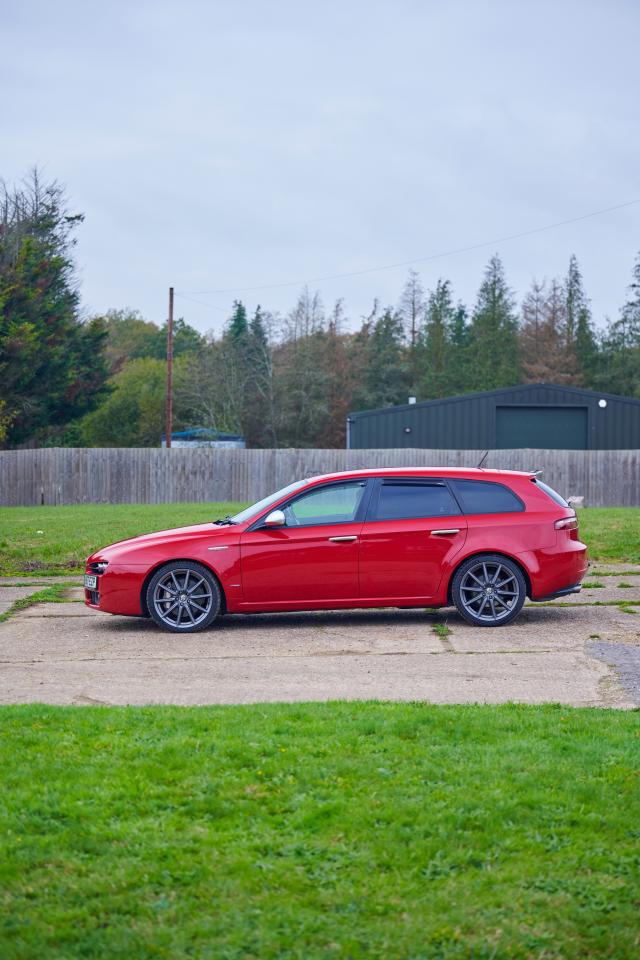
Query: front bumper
pixel 117 590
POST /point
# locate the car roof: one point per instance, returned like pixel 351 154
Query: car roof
pixel 468 473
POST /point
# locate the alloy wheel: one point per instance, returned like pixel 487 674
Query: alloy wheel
pixel 182 598
pixel 489 591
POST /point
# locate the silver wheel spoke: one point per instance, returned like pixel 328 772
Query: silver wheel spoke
pixel 195 586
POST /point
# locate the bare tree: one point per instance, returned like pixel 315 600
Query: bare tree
pixel 412 307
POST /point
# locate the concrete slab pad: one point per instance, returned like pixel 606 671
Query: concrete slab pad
pixel 9 595
pixel 65 653
pixel 444 678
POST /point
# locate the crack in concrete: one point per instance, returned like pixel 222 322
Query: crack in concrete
pixel 290 656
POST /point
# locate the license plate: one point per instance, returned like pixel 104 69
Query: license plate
pixel 90 582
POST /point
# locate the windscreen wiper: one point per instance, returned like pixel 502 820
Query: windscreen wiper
pixel 224 521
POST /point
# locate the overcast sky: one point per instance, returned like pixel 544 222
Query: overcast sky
pixel 217 145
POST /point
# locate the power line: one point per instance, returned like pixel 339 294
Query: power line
pixel 214 306
pixel 406 263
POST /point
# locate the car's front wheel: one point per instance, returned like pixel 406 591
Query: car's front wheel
pixel 489 590
pixel 183 597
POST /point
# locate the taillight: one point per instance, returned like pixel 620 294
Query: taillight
pixel 567 523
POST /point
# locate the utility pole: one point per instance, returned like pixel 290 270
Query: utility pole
pixel 169 422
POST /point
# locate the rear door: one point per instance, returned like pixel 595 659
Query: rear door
pixel 413 529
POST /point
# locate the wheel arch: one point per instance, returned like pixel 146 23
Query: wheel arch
pixel 165 563
pixel 484 553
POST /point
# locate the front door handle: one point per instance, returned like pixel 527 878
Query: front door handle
pixel 342 539
pixel 445 533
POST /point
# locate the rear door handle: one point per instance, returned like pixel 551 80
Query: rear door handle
pixel 445 533
pixel 342 539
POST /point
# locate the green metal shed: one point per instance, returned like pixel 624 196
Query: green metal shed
pixel 536 415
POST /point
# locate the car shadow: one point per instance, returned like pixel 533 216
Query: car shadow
pixel 379 616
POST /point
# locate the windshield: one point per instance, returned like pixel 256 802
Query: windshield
pixel 256 508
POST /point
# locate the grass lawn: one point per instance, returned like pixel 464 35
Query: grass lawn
pixel 54 540
pixel 50 540
pixel 309 831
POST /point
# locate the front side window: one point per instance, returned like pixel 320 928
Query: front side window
pixel 407 501
pixel 337 503
pixel 482 496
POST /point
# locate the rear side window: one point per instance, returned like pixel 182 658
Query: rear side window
pixel 482 496
pixel 551 493
pixel 406 501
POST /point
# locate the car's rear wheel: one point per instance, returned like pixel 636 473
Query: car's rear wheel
pixel 489 590
pixel 183 597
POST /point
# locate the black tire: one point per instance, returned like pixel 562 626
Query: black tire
pixel 183 597
pixel 489 590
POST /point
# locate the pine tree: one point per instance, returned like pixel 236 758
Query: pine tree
pixel 621 345
pixel 437 352
pixel 493 359
pixel 385 374
pixel 238 329
pixel 258 416
pixel 52 365
pixel 580 334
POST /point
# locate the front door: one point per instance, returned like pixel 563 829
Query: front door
pixel 314 558
pixel 412 530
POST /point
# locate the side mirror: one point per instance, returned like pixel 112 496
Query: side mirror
pixel 275 519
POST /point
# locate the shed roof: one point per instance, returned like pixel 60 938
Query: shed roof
pixel 500 392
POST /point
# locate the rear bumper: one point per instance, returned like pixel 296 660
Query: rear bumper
pixel 574 588
pixel 556 571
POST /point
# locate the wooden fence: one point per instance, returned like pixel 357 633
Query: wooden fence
pixel 125 475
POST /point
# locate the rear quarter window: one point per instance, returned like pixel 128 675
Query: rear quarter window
pixel 483 496
pixel 550 492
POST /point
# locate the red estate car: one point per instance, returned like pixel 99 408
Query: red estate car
pixel 480 539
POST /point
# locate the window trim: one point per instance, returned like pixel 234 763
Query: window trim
pixel 371 516
pixel 487 513
pixel 360 514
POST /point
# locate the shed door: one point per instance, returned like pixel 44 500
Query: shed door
pixel 555 428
